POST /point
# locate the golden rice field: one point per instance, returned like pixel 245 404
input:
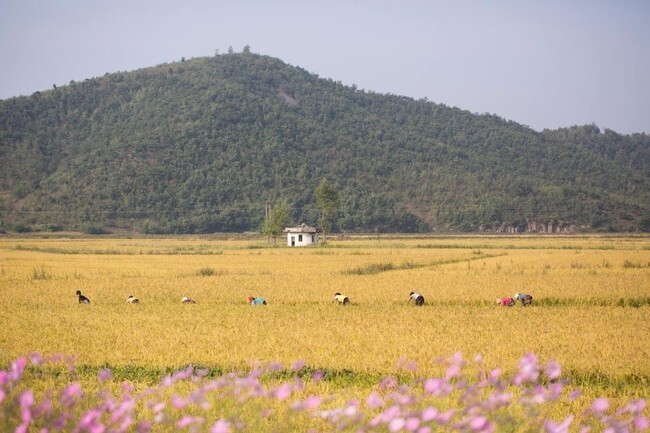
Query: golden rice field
pixel 591 311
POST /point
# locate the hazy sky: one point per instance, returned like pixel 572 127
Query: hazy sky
pixel 546 64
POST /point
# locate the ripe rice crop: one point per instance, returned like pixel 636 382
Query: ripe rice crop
pixel 590 309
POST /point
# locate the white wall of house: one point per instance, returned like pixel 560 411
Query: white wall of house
pixel 301 239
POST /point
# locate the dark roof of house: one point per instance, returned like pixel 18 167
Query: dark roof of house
pixel 302 228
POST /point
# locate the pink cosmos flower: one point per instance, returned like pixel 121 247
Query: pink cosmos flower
pixel 374 401
pixel 178 402
pixel 159 418
pixel 104 374
pixel 396 424
pixel 563 427
pixel 537 395
pixel 452 372
pixel 221 426
pixel 386 416
pixel 494 375
pixel 641 423
pixel 143 427
pixel 89 418
pixel 351 409
pixel 528 370
pixel 122 410
pixel 282 392
pixel 407 364
pixel 188 420
pixel 70 394
pixel 17 368
pixel 183 374
pixel 127 420
pixel 26 416
pixel 44 408
pixel 202 372
pixel 388 382
pixel 555 391
pixel 412 424
pixel 635 407
pixel 498 399
pixel 97 428
pixel 553 370
pixel 437 387
pixel 600 405
pixel 574 394
pixel 36 358
pixel 312 402
pixel 444 417
pixel 457 359
pixel 403 398
pixel 429 414
pixel 478 423
pixel 127 387
pixel 274 367
pixel 26 399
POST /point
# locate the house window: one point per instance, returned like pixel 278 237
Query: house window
pixel 299 238
pixel 312 239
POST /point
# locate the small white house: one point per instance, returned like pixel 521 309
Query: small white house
pixel 301 236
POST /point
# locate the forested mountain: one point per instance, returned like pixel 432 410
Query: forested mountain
pixel 200 145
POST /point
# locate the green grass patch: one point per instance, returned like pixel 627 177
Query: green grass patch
pixel 375 268
pixel 209 272
pixel 41 274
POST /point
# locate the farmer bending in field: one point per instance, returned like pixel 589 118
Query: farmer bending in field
pixel 523 298
pixel 505 302
pixel 82 298
pixel 132 300
pixel 341 299
pixel 186 300
pixel 256 301
pixel 417 298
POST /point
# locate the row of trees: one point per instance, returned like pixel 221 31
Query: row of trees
pixel 327 203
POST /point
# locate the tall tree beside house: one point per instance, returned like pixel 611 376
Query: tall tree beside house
pixel 276 221
pixel 327 202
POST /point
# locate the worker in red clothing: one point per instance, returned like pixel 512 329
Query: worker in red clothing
pixel 505 302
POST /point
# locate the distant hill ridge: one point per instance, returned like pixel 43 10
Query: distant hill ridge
pixel 199 146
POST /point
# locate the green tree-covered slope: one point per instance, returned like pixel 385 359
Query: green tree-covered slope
pixel 199 146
